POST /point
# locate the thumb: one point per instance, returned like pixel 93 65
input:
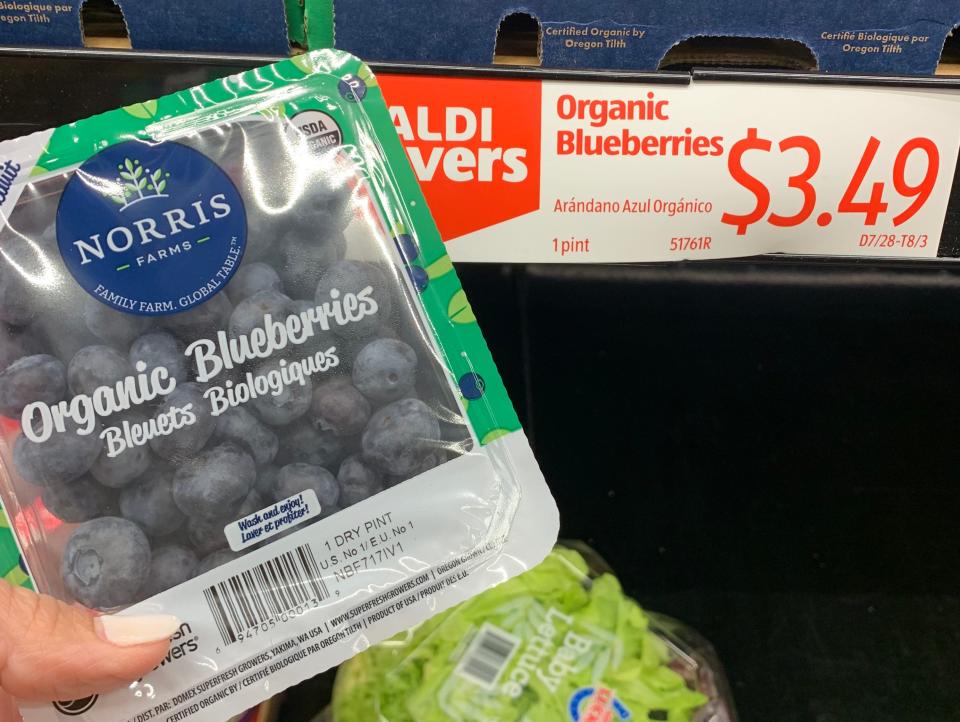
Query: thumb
pixel 8 710
pixel 50 650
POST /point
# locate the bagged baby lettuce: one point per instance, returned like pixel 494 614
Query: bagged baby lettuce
pixel 240 383
pixel 559 642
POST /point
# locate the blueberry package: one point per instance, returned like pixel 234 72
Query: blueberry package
pixel 242 385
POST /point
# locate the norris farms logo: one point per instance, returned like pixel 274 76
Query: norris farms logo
pixel 151 228
pixel 473 143
pixel 597 704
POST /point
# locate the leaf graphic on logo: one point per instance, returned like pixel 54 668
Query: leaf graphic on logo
pixel 161 185
pixel 128 165
pixel 440 267
pixel 142 183
pixel 144 111
pixel 126 176
pixel 459 309
pixel 138 172
pixel 118 200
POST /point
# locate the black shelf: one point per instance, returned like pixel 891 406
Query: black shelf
pixel 766 451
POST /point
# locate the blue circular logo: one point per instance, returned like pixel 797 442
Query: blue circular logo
pixel 352 88
pixel 471 386
pixel 407 247
pixel 596 703
pixel 419 277
pixel 151 228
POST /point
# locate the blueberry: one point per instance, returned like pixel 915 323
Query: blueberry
pixel 248 314
pixel 64 333
pixel 431 461
pixel 385 370
pixel 201 321
pixel 243 428
pixel 15 343
pixel 112 326
pixel 401 436
pixel 296 478
pixel 120 470
pixel 186 441
pixel 407 247
pixel 207 535
pixel 32 378
pixel 327 189
pixel 159 348
pixel 254 502
pixel 456 435
pixel 306 251
pixel 348 348
pixel 291 403
pixel 16 303
pixel 214 483
pixel 65 456
pixel 105 563
pixel 252 278
pixel 419 277
pixel 149 503
pixel 320 341
pixel 354 277
pixel 358 480
pixel 37 206
pixel 214 560
pixel 171 566
pixel 263 230
pixel 266 480
pixel 77 501
pixel 96 366
pixel 339 407
pixel 269 177
pixel 302 442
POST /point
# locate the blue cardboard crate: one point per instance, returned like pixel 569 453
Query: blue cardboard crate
pixel 876 36
pixel 222 26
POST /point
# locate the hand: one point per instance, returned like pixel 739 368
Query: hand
pixel 50 650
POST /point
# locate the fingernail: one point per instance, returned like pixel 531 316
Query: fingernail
pixel 131 631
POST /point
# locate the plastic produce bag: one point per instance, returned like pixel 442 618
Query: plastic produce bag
pixel 560 642
pixel 241 384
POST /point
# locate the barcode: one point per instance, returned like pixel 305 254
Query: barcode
pixel 488 655
pixel 265 592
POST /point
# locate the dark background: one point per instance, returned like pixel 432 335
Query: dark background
pixel 766 449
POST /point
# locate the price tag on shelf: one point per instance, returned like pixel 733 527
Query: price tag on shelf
pixel 551 171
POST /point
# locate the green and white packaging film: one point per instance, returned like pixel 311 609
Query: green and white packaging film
pixel 242 385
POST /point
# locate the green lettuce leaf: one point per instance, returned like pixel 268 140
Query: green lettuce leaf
pixel 559 615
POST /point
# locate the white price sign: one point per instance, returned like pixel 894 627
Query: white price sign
pixel 531 171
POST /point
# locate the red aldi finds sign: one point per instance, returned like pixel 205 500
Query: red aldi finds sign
pixel 473 143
